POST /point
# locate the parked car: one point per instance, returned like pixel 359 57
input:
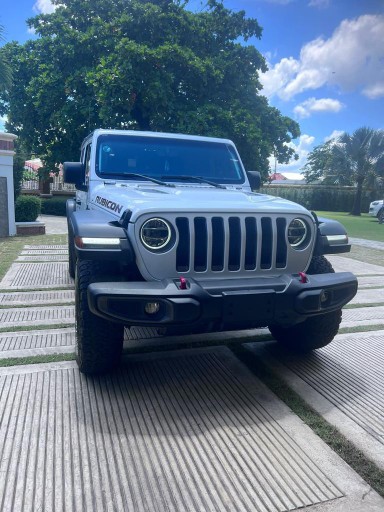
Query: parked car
pixel 375 207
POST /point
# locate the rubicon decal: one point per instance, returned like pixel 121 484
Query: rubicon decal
pixel 111 205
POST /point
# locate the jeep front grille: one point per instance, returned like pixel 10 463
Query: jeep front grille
pixel 230 243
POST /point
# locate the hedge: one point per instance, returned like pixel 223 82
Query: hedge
pixel 321 197
pixel 54 206
pixel 27 208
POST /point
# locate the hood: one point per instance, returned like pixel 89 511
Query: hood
pixel 151 198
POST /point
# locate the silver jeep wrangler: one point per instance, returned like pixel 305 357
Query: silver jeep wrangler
pixel 166 231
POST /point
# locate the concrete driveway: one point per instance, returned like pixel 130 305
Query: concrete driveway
pixel 189 429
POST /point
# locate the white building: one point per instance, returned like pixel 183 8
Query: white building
pixel 7 202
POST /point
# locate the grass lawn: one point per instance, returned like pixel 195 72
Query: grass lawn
pixel 11 246
pixel 364 226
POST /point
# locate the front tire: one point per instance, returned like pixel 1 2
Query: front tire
pixel 99 343
pixel 380 216
pixel 315 332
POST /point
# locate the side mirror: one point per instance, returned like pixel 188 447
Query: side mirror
pixel 254 179
pixel 74 172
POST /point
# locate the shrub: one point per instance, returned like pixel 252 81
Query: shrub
pixel 54 206
pixel 27 208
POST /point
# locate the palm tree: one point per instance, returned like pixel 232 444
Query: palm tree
pixel 5 69
pixel 363 155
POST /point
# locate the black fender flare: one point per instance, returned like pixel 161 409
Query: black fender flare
pixel 98 225
pixel 331 238
pixel 70 207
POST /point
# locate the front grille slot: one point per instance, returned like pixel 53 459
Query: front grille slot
pixel 266 243
pixel 281 247
pixel 230 243
pixel 218 244
pixel 234 244
pixel 201 246
pixel 250 243
pixel 184 245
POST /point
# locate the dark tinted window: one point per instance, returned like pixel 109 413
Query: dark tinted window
pixel 152 156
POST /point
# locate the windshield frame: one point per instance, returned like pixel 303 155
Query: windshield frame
pixel 170 147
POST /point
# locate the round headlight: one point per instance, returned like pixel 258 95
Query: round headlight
pixel 297 232
pixel 155 234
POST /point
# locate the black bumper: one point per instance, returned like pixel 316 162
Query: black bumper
pixel 224 304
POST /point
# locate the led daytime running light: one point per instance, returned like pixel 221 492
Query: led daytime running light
pixel 97 243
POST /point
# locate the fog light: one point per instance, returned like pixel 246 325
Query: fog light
pixel 151 308
pixel 324 296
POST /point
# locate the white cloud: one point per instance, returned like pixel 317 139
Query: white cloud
pixel 334 135
pixel 279 76
pixel 302 147
pixel 44 7
pixel 312 105
pixel 351 59
pixel 374 91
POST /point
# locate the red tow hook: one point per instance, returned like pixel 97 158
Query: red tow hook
pixel 303 278
pixel 183 283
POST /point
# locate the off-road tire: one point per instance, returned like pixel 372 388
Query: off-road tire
pixel 99 343
pixel 320 265
pixel 71 254
pixel 315 332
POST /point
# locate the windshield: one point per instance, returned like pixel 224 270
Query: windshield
pixel 166 159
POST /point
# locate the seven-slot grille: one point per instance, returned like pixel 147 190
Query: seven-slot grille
pixel 230 243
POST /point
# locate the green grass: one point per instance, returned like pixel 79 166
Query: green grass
pixel 51 304
pixel 364 226
pixel 52 358
pixel 361 328
pixel 11 247
pixel 28 328
pixel 364 305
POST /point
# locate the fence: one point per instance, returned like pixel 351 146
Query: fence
pixel 57 185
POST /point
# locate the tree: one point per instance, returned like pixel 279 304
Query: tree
pixel 19 159
pixel 5 68
pixel 143 65
pixel 349 159
pixel 325 164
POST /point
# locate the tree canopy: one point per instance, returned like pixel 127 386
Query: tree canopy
pixel 351 159
pixel 5 68
pixel 142 65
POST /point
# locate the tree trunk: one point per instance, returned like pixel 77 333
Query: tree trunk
pixel 356 209
pixel 44 185
pixel 139 115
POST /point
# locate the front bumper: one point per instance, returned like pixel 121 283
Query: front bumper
pixel 222 304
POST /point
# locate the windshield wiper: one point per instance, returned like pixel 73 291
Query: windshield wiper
pixel 199 179
pixel 134 175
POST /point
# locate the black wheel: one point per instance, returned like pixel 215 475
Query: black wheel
pixel 71 253
pixel 99 343
pixel 319 265
pixel 380 216
pixel 315 332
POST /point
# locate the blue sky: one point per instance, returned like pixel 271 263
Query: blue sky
pixel 325 58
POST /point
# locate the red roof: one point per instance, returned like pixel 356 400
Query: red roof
pixel 33 164
pixel 276 176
